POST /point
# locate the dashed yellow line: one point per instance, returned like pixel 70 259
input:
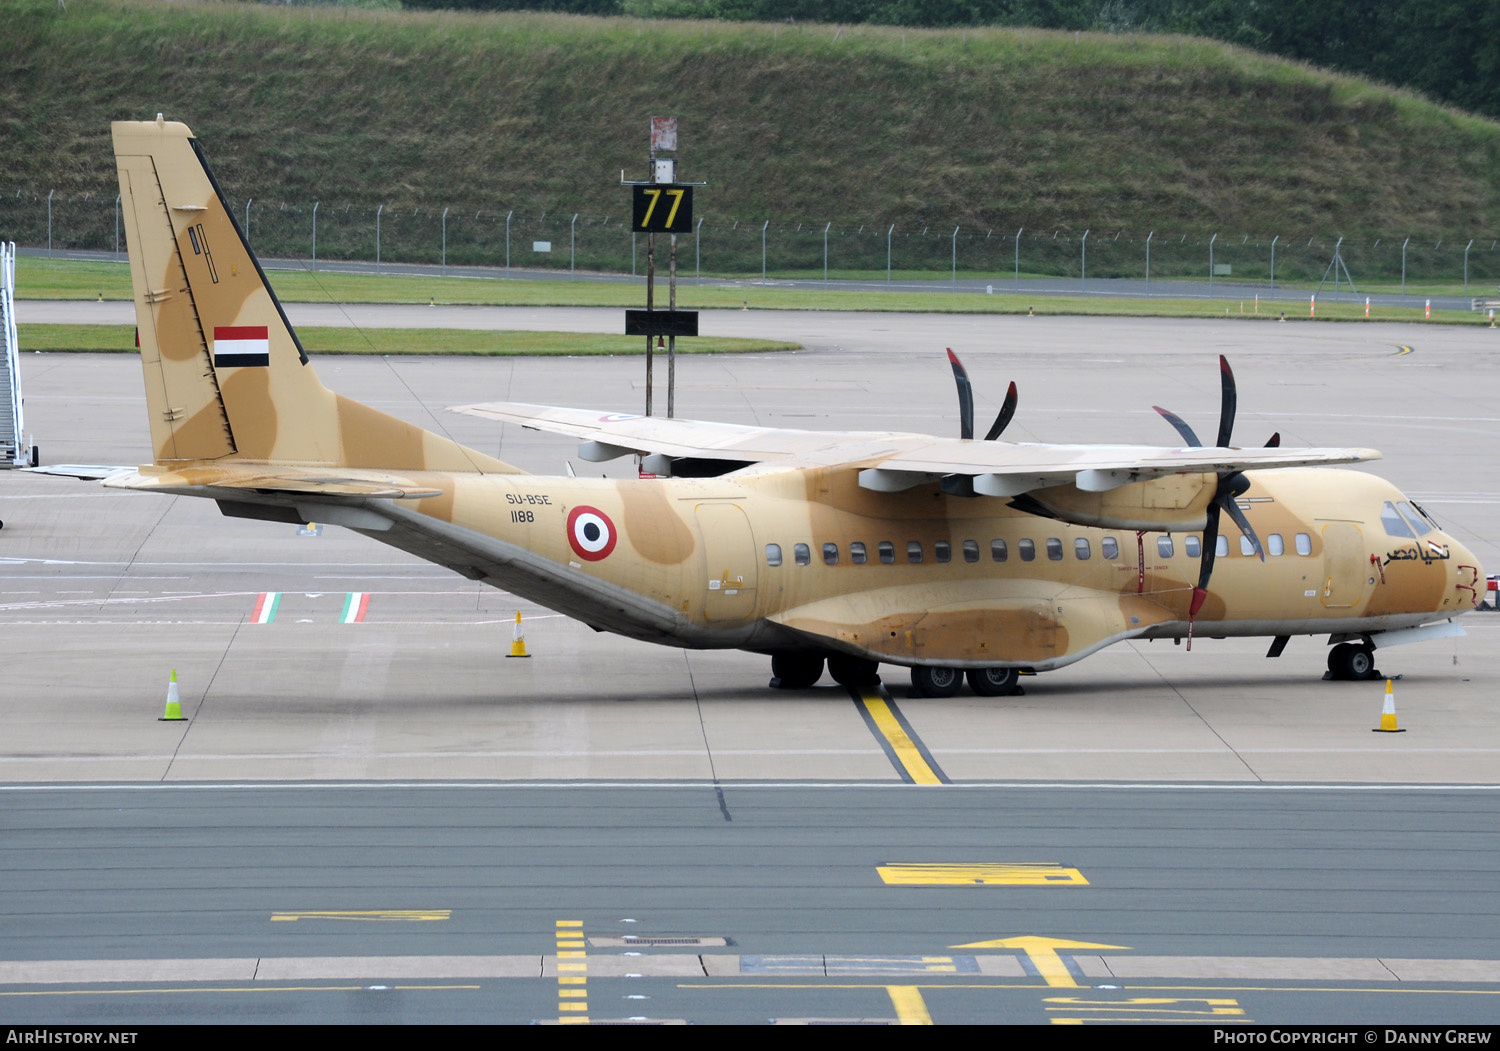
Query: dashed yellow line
pixel 572 974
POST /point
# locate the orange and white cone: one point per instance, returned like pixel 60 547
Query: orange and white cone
pixel 518 640
pixel 1427 311
pixel 1388 713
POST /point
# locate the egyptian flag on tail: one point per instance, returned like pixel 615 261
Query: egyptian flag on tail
pixel 237 346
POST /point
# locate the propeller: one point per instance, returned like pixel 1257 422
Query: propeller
pixel 960 484
pixel 966 403
pixel 1232 485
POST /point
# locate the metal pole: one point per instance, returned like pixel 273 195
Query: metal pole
pixel 632 254
pixel 507 243
pixel 888 255
pixel 763 250
pixel 1466 265
pixel 672 339
pixel 650 296
pixel 697 252
pixel 1273 259
pixel 315 234
pixel 247 219
pixel 377 235
pixel 445 239
pixel 1018 257
pixel 1338 261
pixel 1211 241
pixel 49 222
pixel 1083 272
pixel 572 243
pixel 1148 261
pixel 1403 264
pixel 825 253
pixel 955 257
pixel 117 227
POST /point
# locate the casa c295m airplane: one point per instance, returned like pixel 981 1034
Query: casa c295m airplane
pixel 958 558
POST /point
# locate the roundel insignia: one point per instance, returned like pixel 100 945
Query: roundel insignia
pixel 591 533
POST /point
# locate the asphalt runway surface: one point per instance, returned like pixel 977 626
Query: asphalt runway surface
pixel 359 767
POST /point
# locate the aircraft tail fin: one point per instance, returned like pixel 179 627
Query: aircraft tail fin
pixel 227 379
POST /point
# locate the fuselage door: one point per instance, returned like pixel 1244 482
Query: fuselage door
pixel 1345 564
pixel 729 562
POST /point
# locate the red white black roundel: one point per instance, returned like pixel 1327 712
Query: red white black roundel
pixel 591 533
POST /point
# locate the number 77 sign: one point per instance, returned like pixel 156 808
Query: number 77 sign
pixel 662 209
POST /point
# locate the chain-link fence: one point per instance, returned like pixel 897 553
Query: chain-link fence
pixel 453 235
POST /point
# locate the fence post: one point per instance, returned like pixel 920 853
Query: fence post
pixel 697 253
pixel 445 239
pixel 1273 260
pixel 315 235
pixel 888 255
pixel 1466 265
pixel 1083 265
pixel 117 227
pixel 1211 241
pixel 763 250
pixel 1018 257
pixel 572 243
pixel 955 257
pixel 377 235
pixel 1403 264
pixel 825 252
pixel 507 244
pixel 1148 261
pixel 49 222
pixel 248 202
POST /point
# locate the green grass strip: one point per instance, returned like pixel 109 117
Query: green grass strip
pixel 121 339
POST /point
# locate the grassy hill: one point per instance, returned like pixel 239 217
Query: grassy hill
pixel 535 115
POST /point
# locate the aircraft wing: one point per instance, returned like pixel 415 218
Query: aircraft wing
pixel 606 436
pixel 893 461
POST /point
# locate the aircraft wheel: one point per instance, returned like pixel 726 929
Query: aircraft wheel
pixel 853 671
pixel 994 682
pixel 936 681
pixel 1352 663
pixel 795 671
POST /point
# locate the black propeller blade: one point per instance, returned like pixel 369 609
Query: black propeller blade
pixel 1007 410
pixel 965 396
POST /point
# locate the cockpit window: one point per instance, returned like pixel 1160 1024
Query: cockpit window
pixel 1420 520
pixel 1394 524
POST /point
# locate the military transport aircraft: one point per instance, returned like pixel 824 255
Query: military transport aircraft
pixel 954 557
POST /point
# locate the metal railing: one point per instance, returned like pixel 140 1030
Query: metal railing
pixel 452 235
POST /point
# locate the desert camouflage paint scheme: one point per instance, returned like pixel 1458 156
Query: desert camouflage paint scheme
pixel 784 552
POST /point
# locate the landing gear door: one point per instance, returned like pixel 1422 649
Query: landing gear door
pixel 729 562
pixel 1345 564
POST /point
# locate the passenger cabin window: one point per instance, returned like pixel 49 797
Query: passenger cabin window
pixel 998 550
pixel 887 552
pixel 1304 544
pixel 773 554
pixel 802 554
pixel 943 551
pixel 1054 549
pixel 1110 547
pixel 1193 546
pixel 914 551
pixel 1394 524
pixel 1275 545
pixel 1247 546
pixel 1027 548
pixel 1164 546
pixel 971 551
pixel 1221 546
pixel 1081 550
pixel 830 554
pixel 857 553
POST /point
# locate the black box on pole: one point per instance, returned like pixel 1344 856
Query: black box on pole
pixel 661 322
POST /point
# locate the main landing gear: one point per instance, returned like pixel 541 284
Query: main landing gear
pixel 1351 662
pixel 929 680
